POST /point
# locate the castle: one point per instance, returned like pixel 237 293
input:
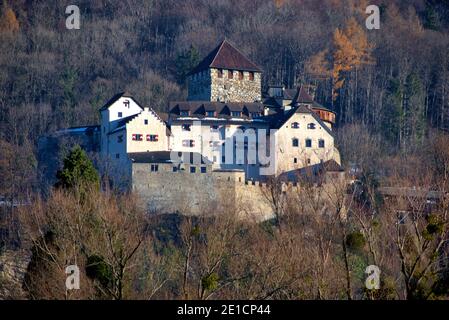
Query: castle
pixel 223 143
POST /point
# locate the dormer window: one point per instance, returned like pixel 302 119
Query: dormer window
pixel 236 113
pixel 295 125
pixel 185 113
pixel 210 113
pixel 230 74
pixel 311 126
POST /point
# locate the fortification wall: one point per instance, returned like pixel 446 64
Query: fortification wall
pixel 197 193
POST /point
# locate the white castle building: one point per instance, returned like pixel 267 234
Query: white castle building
pixel 231 127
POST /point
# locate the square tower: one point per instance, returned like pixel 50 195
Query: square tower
pixel 225 75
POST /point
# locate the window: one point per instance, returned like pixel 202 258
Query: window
pixel 230 74
pixel 154 168
pixel 251 76
pixel 308 161
pixel 214 144
pixel 137 137
pixel 117 155
pixel 240 75
pixel 186 127
pixel 210 113
pixel 203 170
pixel 236 113
pixel 120 139
pixel 152 137
pixel 295 125
pixel 311 126
pixel 295 142
pixel 255 114
pixel 175 169
pixel 192 169
pixel 185 113
pixel 295 160
pixel 321 143
pixel 120 114
pixel 308 143
pixel 145 122
pixel 220 73
pixel 214 128
pixel 188 143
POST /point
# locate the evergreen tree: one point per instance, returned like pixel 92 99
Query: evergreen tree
pixel 392 115
pixel 414 113
pixel 78 171
pixel 185 62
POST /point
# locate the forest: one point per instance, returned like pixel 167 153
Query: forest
pixel 388 87
pixel 393 81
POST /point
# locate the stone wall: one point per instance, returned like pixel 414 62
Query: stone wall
pixel 197 193
pixel 235 89
pixel 208 86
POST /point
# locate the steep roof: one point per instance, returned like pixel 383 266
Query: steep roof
pixel 302 96
pixel 226 56
pixel 116 97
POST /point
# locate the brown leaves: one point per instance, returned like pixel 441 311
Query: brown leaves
pixel 351 50
pixel 9 22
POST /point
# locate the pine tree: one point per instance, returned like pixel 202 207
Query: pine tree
pixel 78 171
pixel 185 62
pixel 392 116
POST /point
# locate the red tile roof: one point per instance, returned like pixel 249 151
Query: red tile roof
pixel 226 56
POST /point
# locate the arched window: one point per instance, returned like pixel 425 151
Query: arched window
pixel 295 142
pixel 311 126
pixel 295 125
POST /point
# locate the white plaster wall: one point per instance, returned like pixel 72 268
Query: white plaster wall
pixel 285 152
pixel 155 126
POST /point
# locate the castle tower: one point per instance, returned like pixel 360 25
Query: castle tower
pixel 225 75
